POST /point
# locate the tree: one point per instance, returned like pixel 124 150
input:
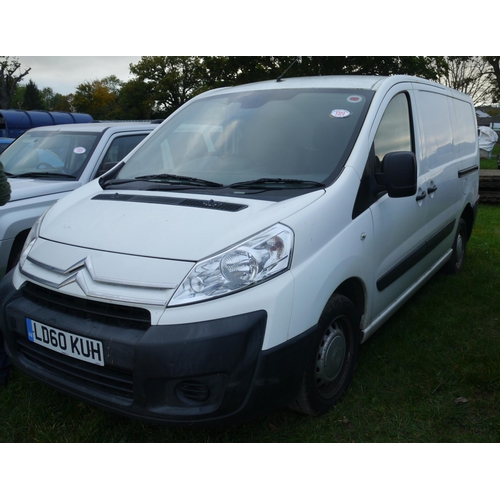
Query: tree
pixel 18 97
pixel 33 98
pixel 98 98
pixel 61 102
pixel 470 75
pixel 136 101
pixel 236 70
pixel 494 73
pixel 10 76
pixel 172 81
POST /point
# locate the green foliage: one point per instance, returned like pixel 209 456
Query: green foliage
pixel 431 374
pixel 237 70
pixel 98 98
pixel 136 101
pixel 171 81
pixel 33 98
pixel 61 103
pixel 491 163
pixel 18 97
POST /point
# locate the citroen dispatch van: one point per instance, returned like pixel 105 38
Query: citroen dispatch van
pixel 234 262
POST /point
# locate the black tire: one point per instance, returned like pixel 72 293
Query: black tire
pixel 332 360
pixel 457 259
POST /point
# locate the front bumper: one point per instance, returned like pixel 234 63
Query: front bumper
pixel 197 373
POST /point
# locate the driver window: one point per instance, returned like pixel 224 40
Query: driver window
pixel 394 132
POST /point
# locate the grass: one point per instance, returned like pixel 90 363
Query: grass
pixel 492 163
pixel 429 375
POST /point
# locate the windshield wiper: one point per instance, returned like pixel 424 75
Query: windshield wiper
pixel 114 182
pixel 179 179
pixel 270 183
pixel 41 174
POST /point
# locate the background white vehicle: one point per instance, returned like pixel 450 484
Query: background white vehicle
pixel 235 261
pixel 46 163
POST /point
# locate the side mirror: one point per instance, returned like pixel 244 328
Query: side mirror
pixel 399 174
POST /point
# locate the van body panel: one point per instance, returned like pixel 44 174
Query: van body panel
pixel 221 250
pixel 82 223
pixel 329 245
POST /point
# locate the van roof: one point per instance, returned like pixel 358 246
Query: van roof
pixel 368 82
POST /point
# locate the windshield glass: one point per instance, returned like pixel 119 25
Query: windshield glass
pixel 300 135
pixel 57 153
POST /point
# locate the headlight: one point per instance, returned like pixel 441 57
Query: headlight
pixel 258 259
pixel 30 240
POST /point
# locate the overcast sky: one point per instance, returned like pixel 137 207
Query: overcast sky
pixel 64 73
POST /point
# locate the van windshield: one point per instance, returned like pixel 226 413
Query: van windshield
pixel 238 138
pixel 49 155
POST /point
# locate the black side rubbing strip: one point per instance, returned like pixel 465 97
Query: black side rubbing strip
pixel 467 171
pixel 415 257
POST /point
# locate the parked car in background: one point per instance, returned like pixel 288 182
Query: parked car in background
pixel 46 163
pixel 5 142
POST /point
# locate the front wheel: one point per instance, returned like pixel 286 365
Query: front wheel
pixel 330 366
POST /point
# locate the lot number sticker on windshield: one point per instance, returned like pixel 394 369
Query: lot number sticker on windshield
pixel 354 98
pixel 79 150
pixel 340 113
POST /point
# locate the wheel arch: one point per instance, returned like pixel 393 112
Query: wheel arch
pixel 468 217
pixel 354 290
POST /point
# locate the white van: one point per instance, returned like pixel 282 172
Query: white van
pixel 234 262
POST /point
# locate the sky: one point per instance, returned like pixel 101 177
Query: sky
pixel 64 73
pixel 216 28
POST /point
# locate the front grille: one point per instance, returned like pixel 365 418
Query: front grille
pixel 102 312
pixel 116 382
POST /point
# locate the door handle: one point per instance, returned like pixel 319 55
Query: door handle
pixel 421 196
pixel 432 189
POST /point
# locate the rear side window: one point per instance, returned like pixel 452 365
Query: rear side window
pixel 465 129
pixel 436 129
pixel 394 132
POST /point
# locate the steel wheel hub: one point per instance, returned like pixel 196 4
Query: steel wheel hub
pixel 331 356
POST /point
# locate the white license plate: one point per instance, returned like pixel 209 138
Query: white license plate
pixel 78 347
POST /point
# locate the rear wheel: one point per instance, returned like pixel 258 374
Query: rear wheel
pixel 331 363
pixel 456 262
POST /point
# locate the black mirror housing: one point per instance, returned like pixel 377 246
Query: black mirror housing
pixel 399 174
